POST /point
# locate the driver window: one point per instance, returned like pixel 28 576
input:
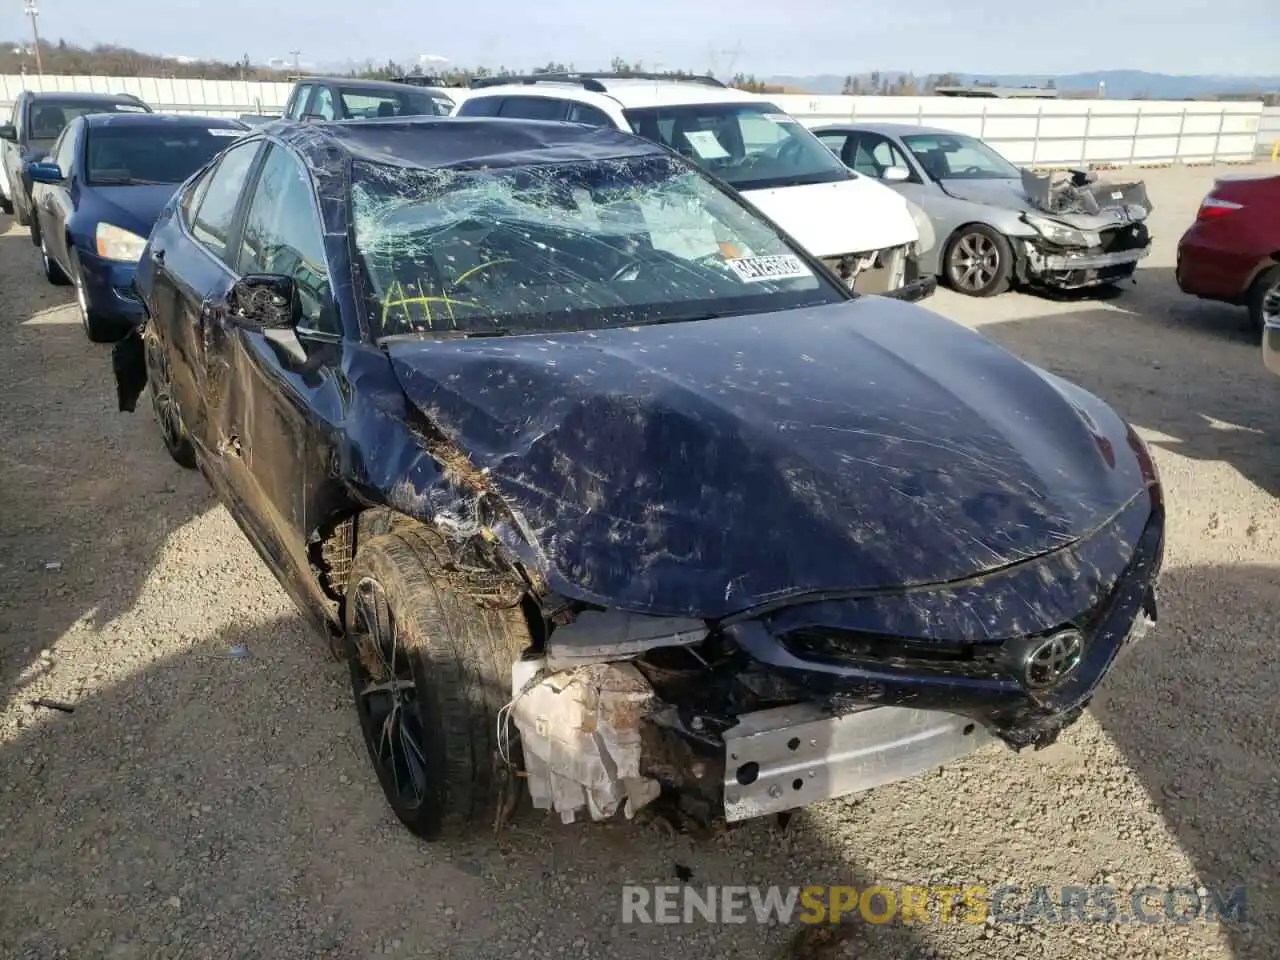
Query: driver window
pixel 283 235
pixel 322 105
pixel 298 103
pixel 878 154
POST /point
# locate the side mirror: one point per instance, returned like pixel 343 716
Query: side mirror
pixel 896 174
pixel 41 172
pixel 8 132
pixel 264 300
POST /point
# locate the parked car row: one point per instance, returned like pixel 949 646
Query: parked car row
pixel 591 471
pixel 1231 253
pixel 869 236
pixel 97 173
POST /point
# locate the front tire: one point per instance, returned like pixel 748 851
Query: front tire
pixel 978 261
pixel 430 672
pixel 52 272
pixel 1264 299
pixel 95 328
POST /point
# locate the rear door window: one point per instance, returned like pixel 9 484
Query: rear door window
pixel 534 108
pixel 216 213
pixel 480 107
pixel 585 113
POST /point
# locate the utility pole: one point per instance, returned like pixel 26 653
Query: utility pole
pixel 32 11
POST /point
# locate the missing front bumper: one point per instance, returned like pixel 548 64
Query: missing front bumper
pixel 1071 270
pixel 790 757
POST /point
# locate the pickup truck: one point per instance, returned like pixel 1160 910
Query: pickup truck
pixel 35 123
pixel 346 98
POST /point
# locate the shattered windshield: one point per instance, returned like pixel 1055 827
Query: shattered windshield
pixel 957 157
pixel 752 145
pixel 565 246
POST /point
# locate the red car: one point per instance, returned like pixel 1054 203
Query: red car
pixel 1232 252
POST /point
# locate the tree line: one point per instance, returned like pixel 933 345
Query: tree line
pixel 112 60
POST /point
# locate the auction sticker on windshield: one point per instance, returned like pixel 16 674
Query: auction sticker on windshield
pixel 782 266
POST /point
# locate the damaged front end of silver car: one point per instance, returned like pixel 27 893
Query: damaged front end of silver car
pixel 1087 232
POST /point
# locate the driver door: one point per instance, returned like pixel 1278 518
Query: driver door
pixel 275 398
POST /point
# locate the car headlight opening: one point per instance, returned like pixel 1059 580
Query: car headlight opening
pixel 117 243
pixel 1061 234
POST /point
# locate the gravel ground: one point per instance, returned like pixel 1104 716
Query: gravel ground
pixel 198 806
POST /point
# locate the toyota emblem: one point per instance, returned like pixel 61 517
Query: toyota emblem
pixel 1053 659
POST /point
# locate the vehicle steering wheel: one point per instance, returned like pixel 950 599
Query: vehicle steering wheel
pixel 972 169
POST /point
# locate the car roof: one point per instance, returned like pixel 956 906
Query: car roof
pixel 162 119
pixel 436 142
pixel 78 97
pixel 627 93
pixel 889 129
pixel 352 83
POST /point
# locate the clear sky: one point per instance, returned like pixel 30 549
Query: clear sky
pixel 818 36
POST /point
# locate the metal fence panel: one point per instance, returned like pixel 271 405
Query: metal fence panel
pixel 1035 132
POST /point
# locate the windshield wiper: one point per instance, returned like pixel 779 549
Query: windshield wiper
pixel 124 182
pixel 467 334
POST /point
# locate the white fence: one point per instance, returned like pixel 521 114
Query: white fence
pixel 1032 132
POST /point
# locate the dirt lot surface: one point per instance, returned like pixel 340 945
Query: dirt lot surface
pixel 199 806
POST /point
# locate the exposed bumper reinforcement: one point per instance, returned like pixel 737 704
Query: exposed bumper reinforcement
pixel 793 756
pixel 1096 261
pixel 915 290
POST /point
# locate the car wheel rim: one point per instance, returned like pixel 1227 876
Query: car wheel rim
pixel 162 399
pixel 975 260
pixel 1271 306
pixel 82 299
pixel 387 696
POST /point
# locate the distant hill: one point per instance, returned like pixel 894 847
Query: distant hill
pixel 1120 84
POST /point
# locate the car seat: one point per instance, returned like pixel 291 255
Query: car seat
pixel 386 109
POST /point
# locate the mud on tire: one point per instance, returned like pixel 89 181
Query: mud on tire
pixel 431 662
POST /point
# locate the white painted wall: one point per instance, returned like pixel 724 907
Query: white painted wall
pixel 1039 132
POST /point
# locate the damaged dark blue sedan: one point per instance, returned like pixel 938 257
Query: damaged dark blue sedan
pixel 608 492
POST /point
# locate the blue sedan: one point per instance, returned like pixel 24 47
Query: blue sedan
pixel 97 195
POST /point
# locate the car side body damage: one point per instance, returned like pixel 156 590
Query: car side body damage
pixel 764 558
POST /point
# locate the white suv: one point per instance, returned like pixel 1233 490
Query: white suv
pixel 862 229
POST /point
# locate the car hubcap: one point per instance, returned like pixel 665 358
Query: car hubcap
pixel 1271 305
pixel 387 696
pixel 974 261
pixel 82 300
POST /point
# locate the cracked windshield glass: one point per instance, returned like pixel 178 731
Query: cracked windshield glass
pixel 565 246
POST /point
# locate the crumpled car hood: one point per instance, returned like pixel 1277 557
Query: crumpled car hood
pixel 998 193
pixel 705 468
pixel 1014 195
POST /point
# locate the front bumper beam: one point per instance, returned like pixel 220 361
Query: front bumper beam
pixel 788 757
pixel 915 290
